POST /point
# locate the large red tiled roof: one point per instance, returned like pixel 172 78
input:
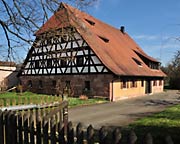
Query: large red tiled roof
pixel 116 50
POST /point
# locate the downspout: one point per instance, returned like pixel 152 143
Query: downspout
pixel 112 91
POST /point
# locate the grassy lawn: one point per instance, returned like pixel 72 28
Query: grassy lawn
pixel 78 102
pixel 28 97
pixel 160 125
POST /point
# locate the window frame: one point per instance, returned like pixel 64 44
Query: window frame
pixel 49 63
pixel 142 83
pixel 68 84
pixel 124 84
pixel 87 85
pixel 30 84
pixel 80 60
pixel 40 84
pixel 63 62
pixel 36 64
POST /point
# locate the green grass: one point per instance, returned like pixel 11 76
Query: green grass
pixel 38 98
pixel 160 125
pixel 78 102
pixel 24 94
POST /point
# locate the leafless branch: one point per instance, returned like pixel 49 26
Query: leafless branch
pixel 19 19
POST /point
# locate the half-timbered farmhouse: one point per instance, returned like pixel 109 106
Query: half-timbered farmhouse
pixel 78 52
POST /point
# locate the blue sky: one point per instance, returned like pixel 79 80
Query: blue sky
pixel 153 24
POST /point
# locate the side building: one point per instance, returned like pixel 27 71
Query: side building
pixel 76 51
pixel 8 75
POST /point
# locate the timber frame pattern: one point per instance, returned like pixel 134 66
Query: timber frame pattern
pixel 62 52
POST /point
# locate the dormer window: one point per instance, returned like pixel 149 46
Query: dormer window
pixel 90 22
pixel 104 39
pixel 137 62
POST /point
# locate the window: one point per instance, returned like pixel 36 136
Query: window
pixel 63 63
pixel 154 83
pixel 64 38
pixel 90 22
pixel 142 83
pixel 160 82
pixel 124 84
pixel 56 62
pixel 87 85
pixel 68 84
pixel 40 84
pixel 49 41
pixel 133 84
pixel 29 84
pixel 79 60
pixel 54 84
pixel 49 63
pixel 36 64
pixel 104 39
pixel 154 65
pixel 137 62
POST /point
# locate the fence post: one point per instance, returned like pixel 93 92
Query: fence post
pixel 65 118
pixel 1 128
pixel 169 140
pixel 53 132
pixel 116 136
pixel 103 135
pixel 38 131
pixel 148 139
pixel 45 132
pixel 61 138
pixel 13 127
pixel 32 133
pixel 132 138
pixel 25 121
pixel 90 135
pixel 20 140
pixel 7 138
pixel 79 133
pixel 70 133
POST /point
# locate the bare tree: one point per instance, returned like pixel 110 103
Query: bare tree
pixel 173 70
pixel 19 19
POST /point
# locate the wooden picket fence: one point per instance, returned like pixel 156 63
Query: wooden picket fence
pixel 32 125
pixel 48 124
pixel 22 129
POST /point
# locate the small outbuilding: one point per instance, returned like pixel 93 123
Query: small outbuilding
pixel 8 75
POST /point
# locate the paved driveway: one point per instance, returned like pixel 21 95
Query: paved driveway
pixel 123 112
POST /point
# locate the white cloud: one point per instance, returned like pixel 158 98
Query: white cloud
pixel 163 46
pixel 146 37
pixel 97 4
pixel 163 52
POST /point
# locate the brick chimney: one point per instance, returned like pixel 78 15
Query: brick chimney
pixel 122 29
